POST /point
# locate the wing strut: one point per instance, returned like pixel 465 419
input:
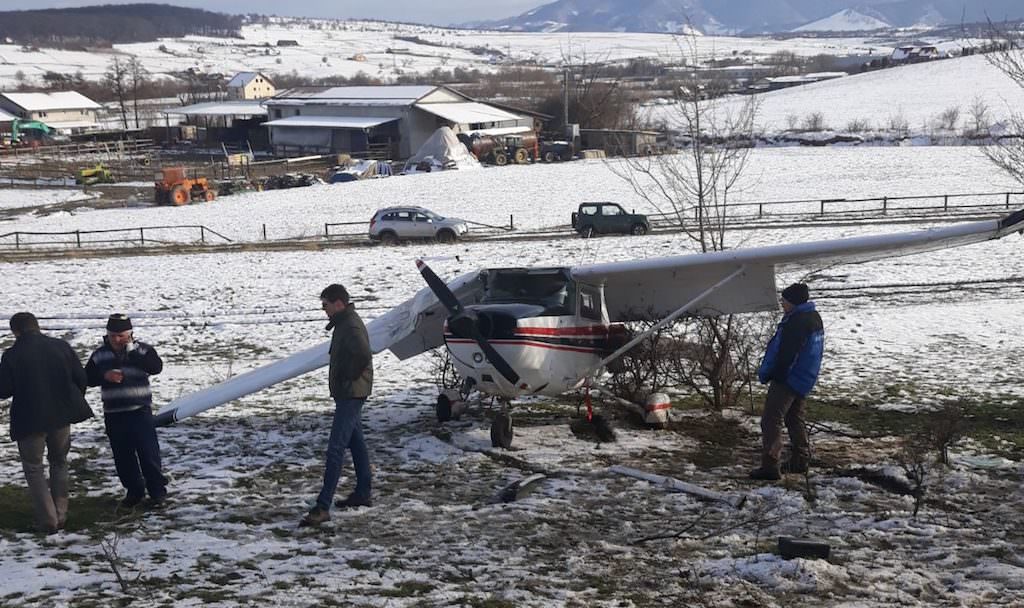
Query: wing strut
pixel 672 317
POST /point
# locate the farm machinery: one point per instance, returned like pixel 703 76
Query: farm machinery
pixel 177 187
pixel 98 174
pixel 519 148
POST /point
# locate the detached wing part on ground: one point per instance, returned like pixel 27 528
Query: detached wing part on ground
pixel 412 327
pixel 654 288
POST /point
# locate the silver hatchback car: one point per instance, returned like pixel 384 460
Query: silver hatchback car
pixel 394 224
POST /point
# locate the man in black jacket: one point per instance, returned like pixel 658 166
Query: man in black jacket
pixel 121 368
pixel 46 380
pixel 351 379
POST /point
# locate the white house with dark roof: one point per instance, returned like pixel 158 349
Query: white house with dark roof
pixel 65 111
pixel 390 121
pixel 251 85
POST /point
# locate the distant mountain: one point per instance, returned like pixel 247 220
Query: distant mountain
pixel 753 16
pixel 846 20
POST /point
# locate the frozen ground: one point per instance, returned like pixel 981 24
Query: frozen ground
pixel 901 332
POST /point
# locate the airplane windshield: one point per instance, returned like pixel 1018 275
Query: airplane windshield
pixel 551 290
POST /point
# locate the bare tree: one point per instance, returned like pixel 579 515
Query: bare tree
pixel 116 78
pixel 1007 55
pixel 137 76
pixel 693 189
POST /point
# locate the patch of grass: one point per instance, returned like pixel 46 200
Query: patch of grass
pixel 488 602
pixel 85 513
pixel 360 564
pixel 718 439
pixel 408 589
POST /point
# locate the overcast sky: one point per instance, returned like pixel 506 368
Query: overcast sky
pixel 441 12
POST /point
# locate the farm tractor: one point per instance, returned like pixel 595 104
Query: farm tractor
pixel 502 149
pixel 177 187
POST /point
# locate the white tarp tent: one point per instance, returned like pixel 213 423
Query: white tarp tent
pixel 442 150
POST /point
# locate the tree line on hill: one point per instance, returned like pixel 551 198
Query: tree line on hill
pixel 108 24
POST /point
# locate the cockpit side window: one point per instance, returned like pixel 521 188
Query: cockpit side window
pixel 590 302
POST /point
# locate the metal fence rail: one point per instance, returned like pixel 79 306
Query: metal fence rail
pixel 23 239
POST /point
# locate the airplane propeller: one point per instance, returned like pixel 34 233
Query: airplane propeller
pixel 466 323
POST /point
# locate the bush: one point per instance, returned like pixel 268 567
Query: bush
pixel 858 125
pixel 813 122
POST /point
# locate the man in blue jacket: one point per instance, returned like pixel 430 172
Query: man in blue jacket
pixel 121 368
pixel 790 367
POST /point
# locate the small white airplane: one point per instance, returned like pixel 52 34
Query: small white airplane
pixel 546 331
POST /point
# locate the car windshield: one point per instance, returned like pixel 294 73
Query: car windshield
pixel 432 215
pixel 551 289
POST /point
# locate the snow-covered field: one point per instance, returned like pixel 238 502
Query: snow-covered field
pixel 329 48
pixel 244 474
pixel 913 96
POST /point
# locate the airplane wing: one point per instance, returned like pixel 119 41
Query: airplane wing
pixel 656 287
pixel 412 327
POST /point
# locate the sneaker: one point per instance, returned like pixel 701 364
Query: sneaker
pixel 315 517
pixel 130 501
pixel 766 474
pixel 354 502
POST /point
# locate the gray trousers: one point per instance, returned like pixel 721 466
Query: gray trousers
pixel 49 500
pixel 783 406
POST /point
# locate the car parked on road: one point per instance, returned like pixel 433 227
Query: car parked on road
pixel 395 224
pixel 607 218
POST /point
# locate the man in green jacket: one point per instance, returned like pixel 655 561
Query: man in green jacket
pixel 351 380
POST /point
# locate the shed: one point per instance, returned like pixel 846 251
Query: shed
pixel 402 118
pixel 620 142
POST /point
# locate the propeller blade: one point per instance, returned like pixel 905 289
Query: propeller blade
pixel 497 360
pixel 440 288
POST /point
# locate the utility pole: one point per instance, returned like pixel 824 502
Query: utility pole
pixel 566 75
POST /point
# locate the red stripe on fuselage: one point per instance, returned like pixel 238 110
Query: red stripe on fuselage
pixel 587 330
pixel 529 343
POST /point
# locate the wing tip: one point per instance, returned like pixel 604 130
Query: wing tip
pixel 1012 222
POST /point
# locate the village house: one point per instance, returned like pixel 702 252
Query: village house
pixel 389 122
pixel 66 112
pixel 251 85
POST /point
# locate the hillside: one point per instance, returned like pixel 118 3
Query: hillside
pixel 912 95
pixel 108 24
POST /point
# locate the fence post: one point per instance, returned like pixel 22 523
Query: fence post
pixel 264 232
pixel 511 224
pixel 78 238
pixel 760 210
pixel 822 207
pixel 326 233
pixel 142 236
pixel 1007 200
pixel 202 234
pixel 885 204
pixel 17 237
pixel 945 203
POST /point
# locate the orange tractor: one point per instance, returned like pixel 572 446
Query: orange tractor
pixel 177 188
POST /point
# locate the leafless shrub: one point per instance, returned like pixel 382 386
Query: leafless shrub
pixel 980 124
pixel 949 118
pixel 915 461
pixel 119 565
pixel 442 369
pixel 858 125
pixel 898 124
pixel 946 427
pixel 813 122
pixel 792 122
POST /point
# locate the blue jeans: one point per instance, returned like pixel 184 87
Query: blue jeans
pixel 346 433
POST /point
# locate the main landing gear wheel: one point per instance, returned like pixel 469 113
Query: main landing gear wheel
pixel 501 431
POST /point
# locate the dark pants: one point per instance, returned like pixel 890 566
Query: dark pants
pixel 136 452
pixel 346 434
pixel 782 405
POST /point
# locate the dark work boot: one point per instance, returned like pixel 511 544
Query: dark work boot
pixel 766 473
pixel 354 502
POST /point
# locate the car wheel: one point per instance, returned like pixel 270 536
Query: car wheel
pixel 638 230
pixel 500 159
pixel 446 236
pixel 388 238
pixel 550 157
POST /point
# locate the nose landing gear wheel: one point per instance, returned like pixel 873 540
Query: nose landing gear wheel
pixel 501 431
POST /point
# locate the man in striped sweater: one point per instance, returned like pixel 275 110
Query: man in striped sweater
pixel 121 368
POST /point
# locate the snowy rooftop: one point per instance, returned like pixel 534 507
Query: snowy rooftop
pixel 329 122
pixel 222 108
pixel 406 95
pixel 468 112
pixel 243 78
pixel 63 100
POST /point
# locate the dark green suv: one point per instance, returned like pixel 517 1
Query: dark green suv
pixel 608 218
